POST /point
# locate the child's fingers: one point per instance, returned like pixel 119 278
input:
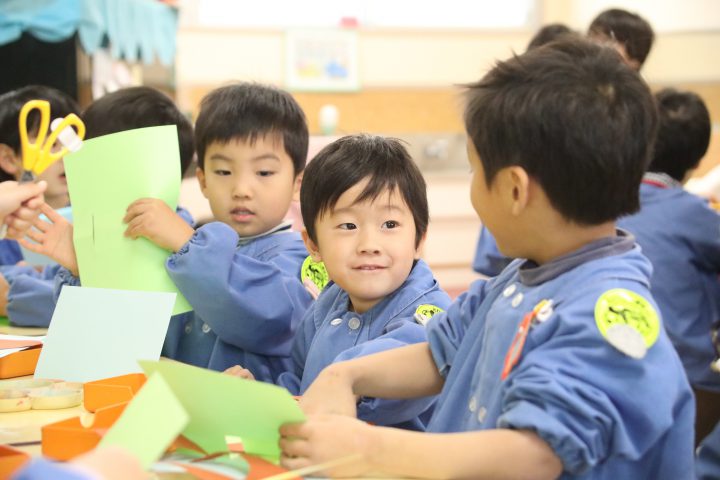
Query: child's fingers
pixel 294 447
pixel 135 228
pixel 35 235
pixel 33 247
pixel 50 213
pixel 294 463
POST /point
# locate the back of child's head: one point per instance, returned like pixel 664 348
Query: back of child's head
pixel 139 107
pixel 12 102
pixel 683 133
pixel 350 160
pixel 629 29
pixel 549 33
pixel 576 118
pixel 247 111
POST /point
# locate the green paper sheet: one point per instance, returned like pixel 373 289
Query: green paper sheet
pixel 150 422
pixel 221 405
pixel 104 177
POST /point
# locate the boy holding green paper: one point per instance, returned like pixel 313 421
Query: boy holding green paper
pixel 241 273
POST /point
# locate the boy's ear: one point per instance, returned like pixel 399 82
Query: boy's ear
pixel 296 187
pixel 200 174
pixel 519 183
pixel 9 162
pixel 419 248
pixel 311 246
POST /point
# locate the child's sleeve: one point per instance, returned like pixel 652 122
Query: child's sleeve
pixel 31 301
pixel 706 230
pixel 446 329
pixel 300 346
pixel 41 468
pixel 589 401
pixel 249 303
pixel 63 277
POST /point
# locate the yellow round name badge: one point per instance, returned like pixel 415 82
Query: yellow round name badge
pixel 627 321
pixel 424 312
pixel 315 272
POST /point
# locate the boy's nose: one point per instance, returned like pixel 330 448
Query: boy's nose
pixel 368 244
pixel 242 189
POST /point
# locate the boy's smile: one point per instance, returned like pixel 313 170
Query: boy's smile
pixel 368 248
pixel 249 185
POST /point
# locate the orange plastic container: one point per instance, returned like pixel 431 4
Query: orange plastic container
pixel 110 391
pixel 67 439
pixel 11 460
pixel 20 363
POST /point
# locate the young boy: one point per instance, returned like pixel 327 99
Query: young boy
pixel 629 33
pixel 560 365
pixel 31 298
pixel 678 232
pixel 365 211
pixel 242 272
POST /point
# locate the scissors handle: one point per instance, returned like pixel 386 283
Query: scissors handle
pixel 47 156
pixel 31 150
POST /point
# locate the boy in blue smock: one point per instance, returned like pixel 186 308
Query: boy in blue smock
pixel 56 193
pixel 678 232
pixel 559 366
pixel 125 109
pixel 365 211
pixel 240 273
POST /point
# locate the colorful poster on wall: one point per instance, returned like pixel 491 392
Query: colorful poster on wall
pixel 321 60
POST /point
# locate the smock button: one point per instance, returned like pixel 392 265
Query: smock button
pixel 188 328
pixel 472 406
pixel 335 322
pixel 354 323
pixel 205 328
pixel 516 300
pixel 509 290
pixel 481 414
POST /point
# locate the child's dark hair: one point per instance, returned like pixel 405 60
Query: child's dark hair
pixel 549 33
pixel 246 111
pixel 346 162
pixel 12 102
pixel 139 107
pixel 683 135
pixel 630 29
pixel 576 118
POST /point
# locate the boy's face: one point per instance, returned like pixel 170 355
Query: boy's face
pixel 249 186
pixel 485 200
pixel 368 248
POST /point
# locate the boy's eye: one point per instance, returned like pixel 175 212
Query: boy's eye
pixel 347 226
pixel 222 173
pixel 390 224
pixel 265 173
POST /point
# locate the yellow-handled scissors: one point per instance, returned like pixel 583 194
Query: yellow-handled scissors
pixel 38 155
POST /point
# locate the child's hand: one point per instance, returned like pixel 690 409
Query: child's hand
pixel 329 393
pixel 14 196
pixel 338 442
pixel 54 239
pixel 19 206
pixel 238 371
pixel 153 219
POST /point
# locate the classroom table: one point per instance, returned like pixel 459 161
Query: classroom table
pixel 7 329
